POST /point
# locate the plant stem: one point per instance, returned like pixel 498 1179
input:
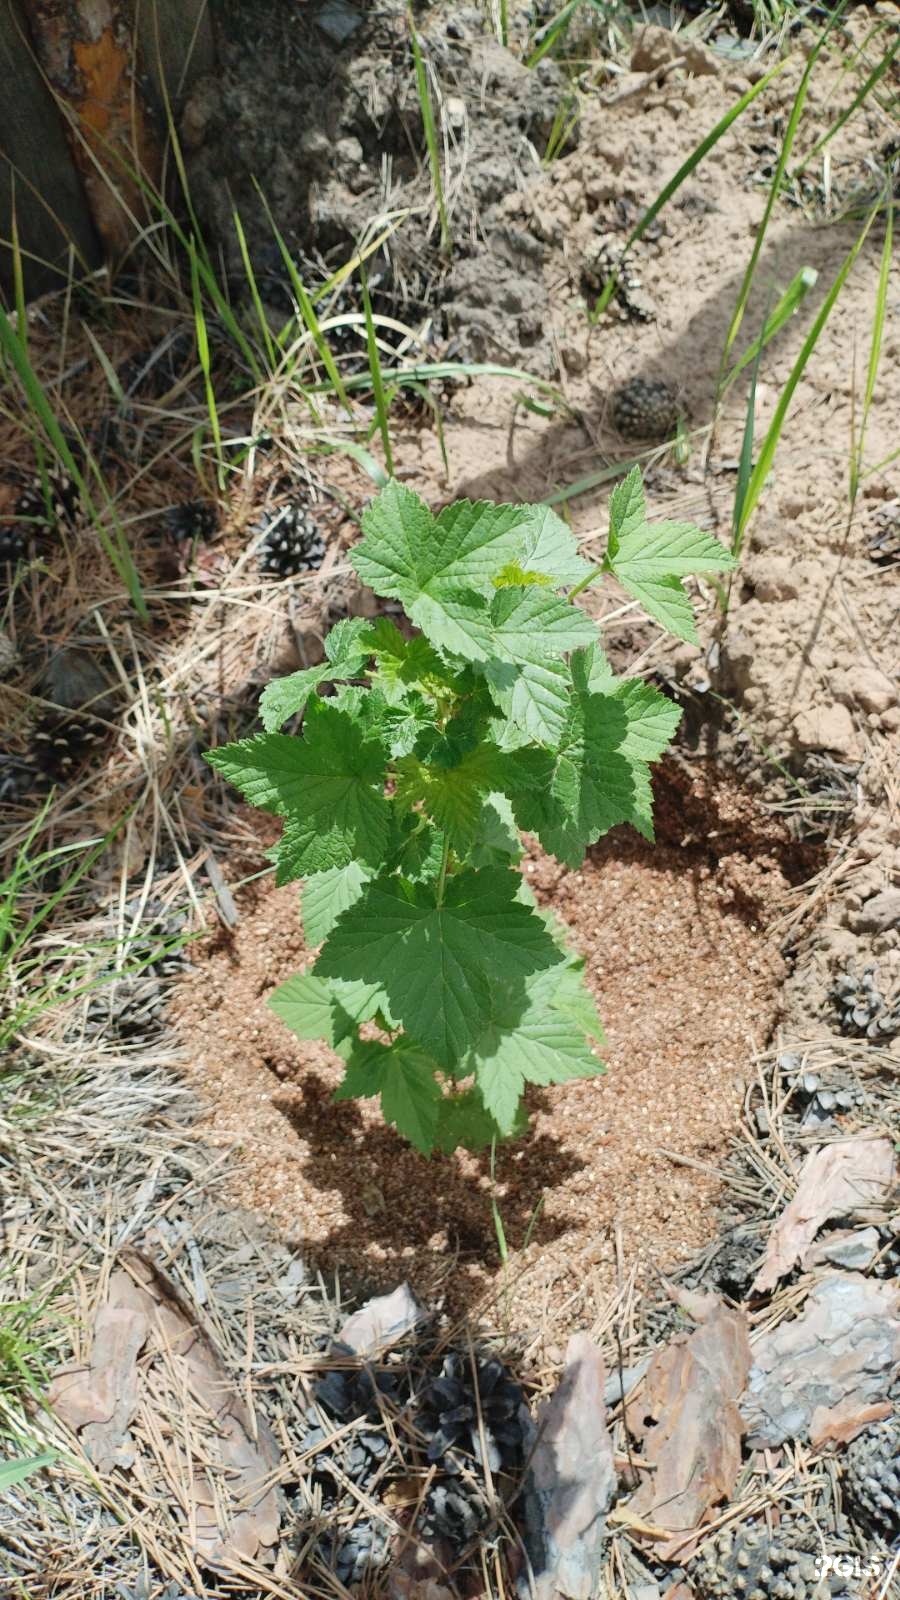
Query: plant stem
pixel 595 572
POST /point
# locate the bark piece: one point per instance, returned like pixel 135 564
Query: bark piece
pixel 686 1413
pixel 571 1482
pixel 837 1180
pixel 817 1376
pixel 221 1458
pixel 381 1321
pixel 100 1399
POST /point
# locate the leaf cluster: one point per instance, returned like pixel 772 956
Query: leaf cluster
pixel 492 710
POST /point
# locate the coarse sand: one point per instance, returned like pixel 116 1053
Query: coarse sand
pixel 686 979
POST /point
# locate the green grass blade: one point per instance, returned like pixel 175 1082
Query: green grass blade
pixel 859 99
pixel 250 275
pixel 552 33
pixel 792 298
pixel 684 172
pixel 875 345
pixel 431 138
pixel 202 338
pixel 381 410
pixel 745 463
pixel 308 315
pixel 770 444
pixel 13 1472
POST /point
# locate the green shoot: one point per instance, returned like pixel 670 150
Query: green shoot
pixel 250 275
pixel 404 797
pixel 381 406
pixel 857 445
pixel 550 35
pixel 770 444
pixel 790 301
pixel 430 129
pixel 205 366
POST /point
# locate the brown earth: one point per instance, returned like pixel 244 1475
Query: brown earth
pixel 679 963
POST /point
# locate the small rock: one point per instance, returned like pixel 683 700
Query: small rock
pixel 827 728
pixel 655 47
pixel 854 1248
pixel 866 687
pixel 880 913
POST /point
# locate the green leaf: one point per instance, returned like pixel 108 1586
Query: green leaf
pixel 599 776
pixel 574 1000
pixel 496 841
pixel 346 657
pixel 326 894
pixel 650 559
pixel 330 1009
pixel 650 717
pixel 434 960
pixel 528 625
pixel 453 797
pixel 401 660
pixel 442 568
pixel 464 1120
pixel 534 698
pixel 539 1045
pixel 404 1076
pixel 21 1467
pixel 329 784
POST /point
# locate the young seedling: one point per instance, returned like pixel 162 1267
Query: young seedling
pixel 439 981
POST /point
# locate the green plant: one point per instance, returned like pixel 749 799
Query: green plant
pixel 404 797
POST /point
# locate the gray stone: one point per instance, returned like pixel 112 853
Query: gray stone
pixel 571 1483
pixel 880 913
pixel 854 1248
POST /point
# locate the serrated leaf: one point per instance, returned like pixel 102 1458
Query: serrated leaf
pixel 528 625
pixel 404 1076
pixel 539 1045
pixel 650 559
pixel 432 959
pixel 651 718
pixel 401 660
pixel 442 568
pixel 497 839
pixel 329 784
pixel 323 1008
pixel 573 999
pixel 326 894
pixel 465 1121
pixel 453 796
pixel 596 779
pixel 345 657
pixel 534 698
pixel 591 669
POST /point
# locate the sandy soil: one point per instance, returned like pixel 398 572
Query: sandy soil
pixel 679 963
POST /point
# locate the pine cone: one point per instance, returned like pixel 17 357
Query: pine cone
pixel 191 522
pixel 645 408
pixel 862 1009
pixel 292 543
pixel 63 742
pixel 46 510
pixel 748 1563
pixel 13 543
pixel 872 1478
pixel 449 1411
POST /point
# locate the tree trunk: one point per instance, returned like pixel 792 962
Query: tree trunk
pixel 87 51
